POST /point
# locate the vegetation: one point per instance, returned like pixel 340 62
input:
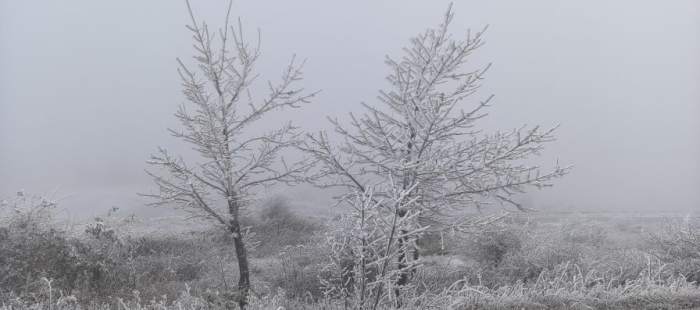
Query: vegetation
pixel 365 243
pixel 112 263
pixel 410 168
pixel 421 136
pixel 234 160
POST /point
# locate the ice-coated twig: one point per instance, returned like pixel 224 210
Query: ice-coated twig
pixel 215 121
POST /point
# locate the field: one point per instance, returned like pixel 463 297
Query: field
pixel 526 261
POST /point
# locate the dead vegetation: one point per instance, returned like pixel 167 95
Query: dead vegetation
pixel 578 264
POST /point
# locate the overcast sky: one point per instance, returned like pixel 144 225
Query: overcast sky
pixel 87 88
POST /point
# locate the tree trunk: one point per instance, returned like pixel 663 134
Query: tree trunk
pixel 241 253
pixel 403 278
pixel 243 271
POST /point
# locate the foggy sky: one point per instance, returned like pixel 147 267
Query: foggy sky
pixel 87 88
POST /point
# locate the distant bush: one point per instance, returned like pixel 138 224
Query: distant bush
pixel 536 254
pixel 492 246
pixel 432 243
pixel 627 225
pixel 279 227
pixel 276 208
pixel 581 248
pixel 580 230
pixel 516 252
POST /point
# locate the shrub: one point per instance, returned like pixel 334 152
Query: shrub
pixel 99 266
pixel 31 248
pixel 276 208
pixel 678 244
pixel 580 230
pixel 491 247
pixel 435 243
pixel 28 255
pixel 151 265
pixel 299 277
pixel 280 227
pixel 516 254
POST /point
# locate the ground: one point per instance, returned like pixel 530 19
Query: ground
pixel 527 261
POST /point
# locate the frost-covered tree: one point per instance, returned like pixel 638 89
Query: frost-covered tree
pixel 216 121
pixel 422 134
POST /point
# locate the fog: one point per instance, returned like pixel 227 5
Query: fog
pixel 87 88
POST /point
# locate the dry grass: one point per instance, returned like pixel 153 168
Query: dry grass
pixel 576 263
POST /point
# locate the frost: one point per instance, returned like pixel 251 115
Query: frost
pixel 418 146
pixel 215 123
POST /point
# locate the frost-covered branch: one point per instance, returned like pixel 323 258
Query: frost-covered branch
pixel 364 244
pixel 215 121
pixel 422 133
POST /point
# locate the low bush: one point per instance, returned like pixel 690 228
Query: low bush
pixel 535 254
pixel 154 266
pixel 278 226
pixel 513 253
pixel 31 248
pixel 27 255
pixel 432 243
pixel 300 272
pixel 491 247
pixel 677 244
pixel 580 230
pixel 276 208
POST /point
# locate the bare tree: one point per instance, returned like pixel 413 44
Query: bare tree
pixel 420 135
pixel 217 124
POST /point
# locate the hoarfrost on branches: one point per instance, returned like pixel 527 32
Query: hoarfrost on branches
pixel 422 133
pixel 219 110
pixel 365 241
pixel 216 122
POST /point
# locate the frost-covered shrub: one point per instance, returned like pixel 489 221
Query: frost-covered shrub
pixel 28 255
pixel 492 246
pixel 677 243
pixel 299 276
pixel 122 263
pixel 99 230
pixel 278 226
pixel 31 247
pixel 530 254
pixel 433 243
pixel 27 211
pixel 580 230
pixel 276 208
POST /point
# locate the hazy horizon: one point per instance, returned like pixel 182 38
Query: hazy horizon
pixel 88 88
